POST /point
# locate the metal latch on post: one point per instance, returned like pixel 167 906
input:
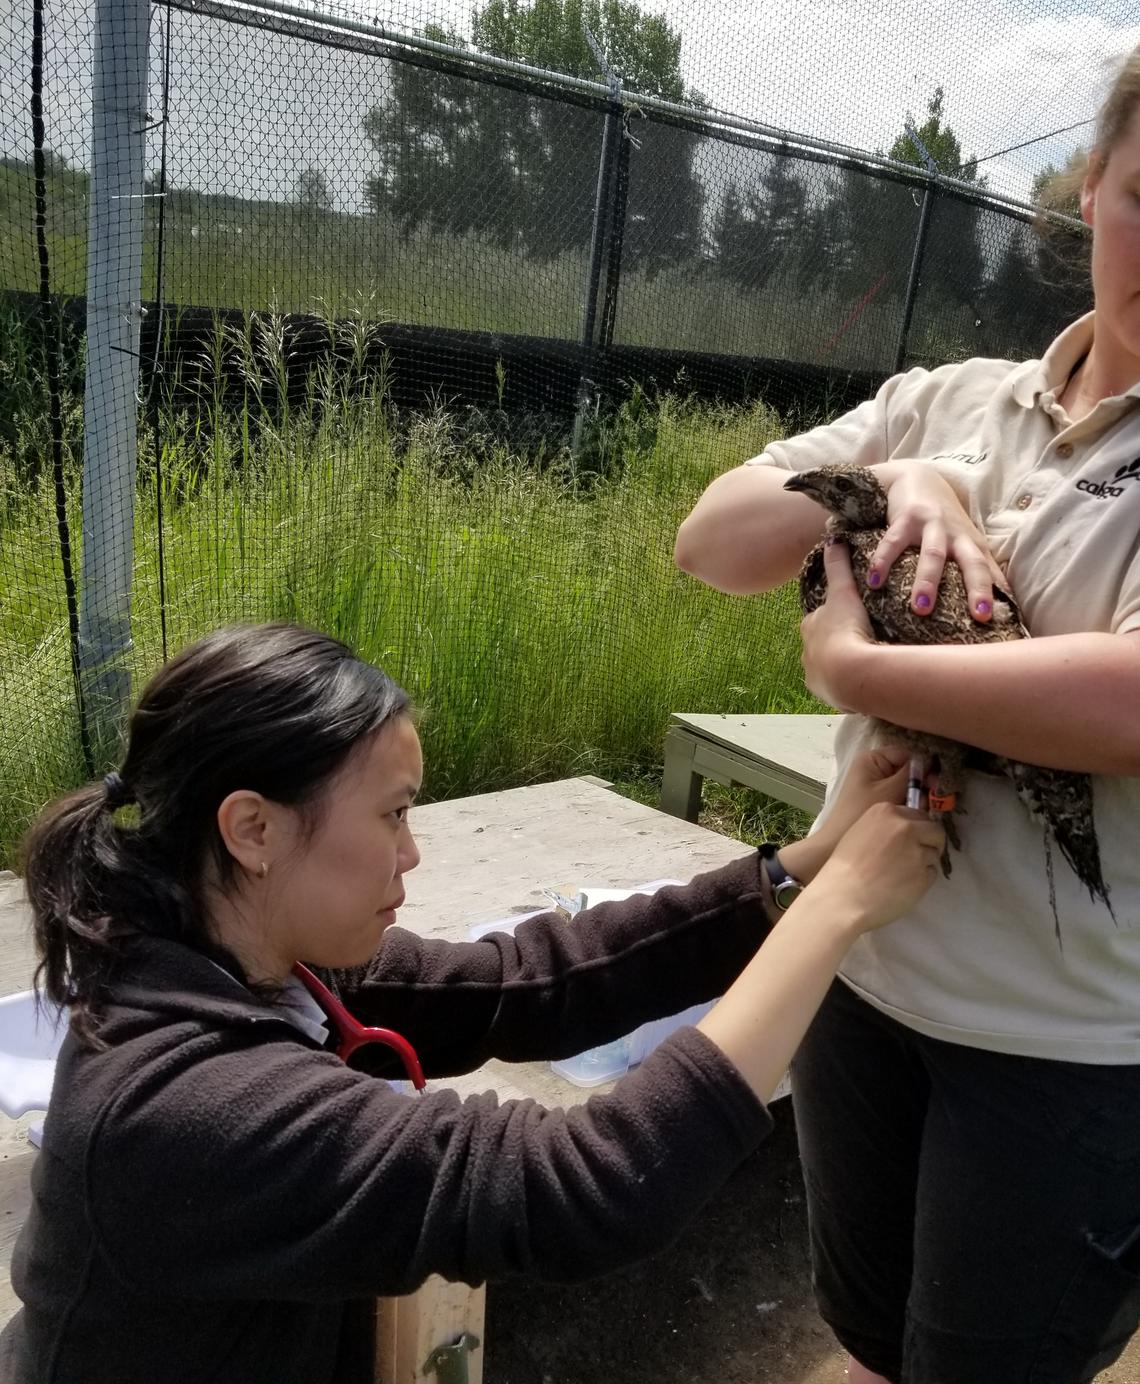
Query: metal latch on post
pixel 449 1363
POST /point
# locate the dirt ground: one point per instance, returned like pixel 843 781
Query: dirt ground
pixel 730 1303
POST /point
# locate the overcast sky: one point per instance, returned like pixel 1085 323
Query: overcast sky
pixel 250 110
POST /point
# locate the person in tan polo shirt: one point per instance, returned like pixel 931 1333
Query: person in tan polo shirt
pixel 968 1099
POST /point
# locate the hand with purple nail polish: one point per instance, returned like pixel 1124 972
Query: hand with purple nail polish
pixel 925 513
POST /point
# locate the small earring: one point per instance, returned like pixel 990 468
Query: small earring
pixel 262 870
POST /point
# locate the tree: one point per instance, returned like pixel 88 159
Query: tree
pixel 732 235
pixel 1041 280
pixel 861 235
pixel 464 155
pixel 1059 189
pixel 447 162
pixel 760 231
pixel 953 266
pixel 1013 294
pixel 826 253
pixel 641 49
pixel 312 190
pixel 55 163
pixel 939 140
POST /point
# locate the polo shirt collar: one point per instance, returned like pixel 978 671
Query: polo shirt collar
pixel 1037 377
pixel 1049 374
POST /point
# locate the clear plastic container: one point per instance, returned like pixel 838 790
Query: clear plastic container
pixel 596 1065
pixel 612 1060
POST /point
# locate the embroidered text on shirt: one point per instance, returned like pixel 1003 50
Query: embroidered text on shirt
pixel 967 458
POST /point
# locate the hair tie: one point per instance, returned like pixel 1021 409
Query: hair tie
pixel 118 795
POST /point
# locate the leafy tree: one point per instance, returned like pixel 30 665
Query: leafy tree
pixel 954 266
pixel 940 141
pixel 641 49
pixel 312 190
pixel 446 160
pixel 826 252
pixel 856 232
pixel 1014 292
pixel 665 211
pixel 859 235
pixel 1058 189
pixel 1062 253
pixel 760 231
pixel 731 235
pixel 1041 279
pixel 466 156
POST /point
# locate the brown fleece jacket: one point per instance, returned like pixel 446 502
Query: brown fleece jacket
pixel 218 1199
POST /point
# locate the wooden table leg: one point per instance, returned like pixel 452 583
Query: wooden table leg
pixel 680 784
pixel 409 1329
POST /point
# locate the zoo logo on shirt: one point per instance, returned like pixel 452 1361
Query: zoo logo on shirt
pixel 966 458
pixel 1105 491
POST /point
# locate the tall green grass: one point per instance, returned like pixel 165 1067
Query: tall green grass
pixel 531 608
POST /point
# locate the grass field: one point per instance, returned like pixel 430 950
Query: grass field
pixel 236 253
pixel 534 613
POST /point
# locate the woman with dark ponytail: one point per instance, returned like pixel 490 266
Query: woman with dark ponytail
pixel 279 709
pixel 219 1196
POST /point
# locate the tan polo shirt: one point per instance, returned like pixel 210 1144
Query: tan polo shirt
pixel 1060 503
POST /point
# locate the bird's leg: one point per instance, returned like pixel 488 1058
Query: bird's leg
pixel 943 802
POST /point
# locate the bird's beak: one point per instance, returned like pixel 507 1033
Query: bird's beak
pixel 801 484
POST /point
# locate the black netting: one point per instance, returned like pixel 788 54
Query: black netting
pixel 1012 74
pixel 322 324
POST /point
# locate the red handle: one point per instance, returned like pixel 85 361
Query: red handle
pixel 352 1034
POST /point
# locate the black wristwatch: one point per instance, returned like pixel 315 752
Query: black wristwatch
pixel 785 887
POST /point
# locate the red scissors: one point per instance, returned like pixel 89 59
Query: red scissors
pixel 352 1034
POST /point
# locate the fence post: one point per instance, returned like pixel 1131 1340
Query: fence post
pixel 616 239
pixel 915 274
pixel 611 137
pixel 919 244
pixel 114 309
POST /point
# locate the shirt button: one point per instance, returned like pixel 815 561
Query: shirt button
pixel 1025 501
pixel 1065 449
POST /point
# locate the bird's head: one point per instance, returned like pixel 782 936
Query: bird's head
pixel 852 493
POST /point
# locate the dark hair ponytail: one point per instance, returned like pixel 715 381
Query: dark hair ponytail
pixel 67 854
pixel 271 708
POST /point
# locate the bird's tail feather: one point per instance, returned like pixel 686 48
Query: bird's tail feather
pixel 1063 801
pixel 1084 861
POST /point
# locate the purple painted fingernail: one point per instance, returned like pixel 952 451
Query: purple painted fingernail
pixel 922 602
pixel 983 607
pixel 874 578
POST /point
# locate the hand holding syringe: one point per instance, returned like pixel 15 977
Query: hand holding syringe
pixel 915 781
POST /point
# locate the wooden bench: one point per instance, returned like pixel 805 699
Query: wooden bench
pixel 788 757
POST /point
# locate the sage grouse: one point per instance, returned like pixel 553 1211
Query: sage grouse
pixel 1062 801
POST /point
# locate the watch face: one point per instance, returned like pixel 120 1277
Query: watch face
pixel 786 891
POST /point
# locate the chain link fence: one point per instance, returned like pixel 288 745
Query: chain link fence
pixel 423 336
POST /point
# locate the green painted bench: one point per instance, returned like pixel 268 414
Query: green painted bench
pixel 788 757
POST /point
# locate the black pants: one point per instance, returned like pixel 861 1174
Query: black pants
pixel 975 1217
